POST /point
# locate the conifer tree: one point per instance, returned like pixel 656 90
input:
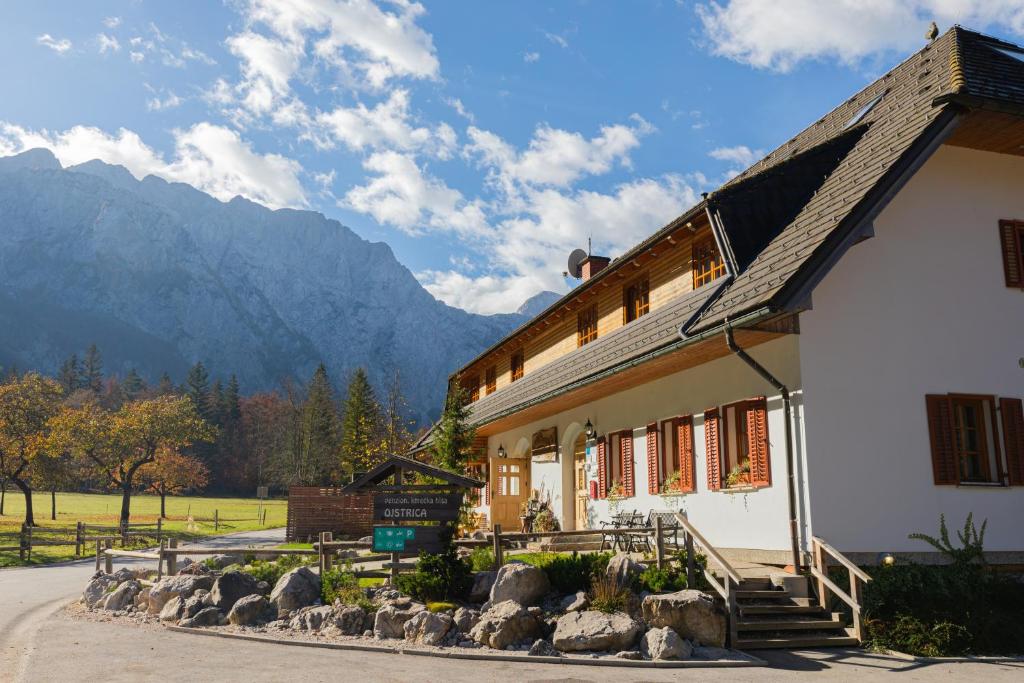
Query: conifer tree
pixel 92 370
pixel 231 408
pixel 453 434
pixel 70 374
pixel 396 427
pixel 197 386
pixel 360 440
pixel 132 385
pixel 166 386
pixel 215 401
pixel 320 429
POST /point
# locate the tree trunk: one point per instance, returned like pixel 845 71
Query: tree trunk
pixel 53 505
pixel 163 509
pixel 3 495
pixel 27 491
pixel 126 502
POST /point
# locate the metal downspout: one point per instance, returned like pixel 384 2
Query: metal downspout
pixel 794 530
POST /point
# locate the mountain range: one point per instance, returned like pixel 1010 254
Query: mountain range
pixel 160 275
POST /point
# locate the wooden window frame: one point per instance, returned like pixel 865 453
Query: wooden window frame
pixel 619 454
pixel 715 268
pixel 669 453
pixel 474 389
pixel 636 299
pixel 517 366
pixel 586 325
pixel 1011 243
pixel 992 448
pixel 491 380
pixel 734 418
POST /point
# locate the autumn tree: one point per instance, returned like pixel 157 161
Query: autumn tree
pixel 265 423
pixel 173 473
pixel 26 406
pixel 53 470
pixel 453 435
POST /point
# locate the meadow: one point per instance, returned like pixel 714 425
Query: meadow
pixel 188 517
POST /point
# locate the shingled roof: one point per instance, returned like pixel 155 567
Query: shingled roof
pixel 786 219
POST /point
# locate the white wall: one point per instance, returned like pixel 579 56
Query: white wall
pixel 920 308
pixel 757 519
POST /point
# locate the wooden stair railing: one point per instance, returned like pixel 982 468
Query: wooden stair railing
pixel 730 577
pixel 819 570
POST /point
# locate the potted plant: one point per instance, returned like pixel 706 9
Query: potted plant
pixel 617 490
pixel 740 475
pixel 672 485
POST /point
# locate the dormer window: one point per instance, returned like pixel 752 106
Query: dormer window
pixel 492 380
pixel 517 365
pixel 636 300
pixel 708 264
pixel 586 325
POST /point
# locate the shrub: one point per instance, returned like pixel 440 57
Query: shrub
pixel 606 595
pixel 340 583
pixel 913 636
pixel 437 577
pixel 659 580
pixel 271 571
pixel 575 572
pixel 436 607
pixel 482 559
pixel 700 563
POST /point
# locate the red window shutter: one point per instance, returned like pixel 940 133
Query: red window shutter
pixel 684 435
pixel 757 438
pixel 1009 239
pixel 1013 437
pixel 943 440
pixel 602 468
pixel 712 426
pixel 653 464
pixel 626 454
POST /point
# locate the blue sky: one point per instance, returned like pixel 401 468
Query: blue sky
pixel 482 141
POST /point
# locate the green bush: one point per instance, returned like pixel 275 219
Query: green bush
pixel 436 607
pixel 575 572
pixel 606 595
pixel 437 577
pixel 482 559
pixel 272 570
pixel 913 636
pixel 341 583
pixel 662 580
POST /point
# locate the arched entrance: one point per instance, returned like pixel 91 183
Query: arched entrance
pixel 581 493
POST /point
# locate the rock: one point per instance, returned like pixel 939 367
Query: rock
pixel 208 616
pixel 664 643
pixel 521 583
pixel 121 598
pixel 298 588
pixel 543 648
pixel 503 624
pixel 231 586
pixel 629 654
pixel 249 610
pixel 623 570
pixel 173 586
pixel 221 561
pixel 427 628
pixel 591 630
pixel 390 619
pixel 173 609
pixel 690 613
pixel 575 603
pixel 97 588
pixel 142 600
pixel 350 619
pixel 195 604
pixel 194 569
pixel 123 574
pixel 312 618
pixel 465 619
pixel 263 588
pixel 482 583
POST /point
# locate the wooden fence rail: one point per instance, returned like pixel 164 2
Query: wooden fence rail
pixel 79 536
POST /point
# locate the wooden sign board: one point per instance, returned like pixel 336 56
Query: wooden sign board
pixel 408 539
pixel 416 507
pixel 545 445
pixel 261 492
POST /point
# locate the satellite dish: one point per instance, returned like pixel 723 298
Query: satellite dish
pixel 576 259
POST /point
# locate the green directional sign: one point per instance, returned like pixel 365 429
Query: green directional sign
pixel 392 539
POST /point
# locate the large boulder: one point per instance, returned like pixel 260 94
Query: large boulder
pixel 350 620
pixel 173 609
pixel 249 610
pixel 183 585
pixel 690 613
pixel 192 606
pixel 427 628
pixel 312 618
pixel 297 589
pixel 208 616
pixel 623 570
pixel 576 602
pixel 466 619
pixel 390 619
pixel 221 561
pixel 504 624
pixel 121 597
pixel 543 648
pixel 231 586
pixel 482 583
pixel 592 631
pixel 664 643
pixel 97 588
pixel 520 582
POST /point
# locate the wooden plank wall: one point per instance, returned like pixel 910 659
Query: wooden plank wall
pixel 313 509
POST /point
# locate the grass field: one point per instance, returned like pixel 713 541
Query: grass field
pixel 187 517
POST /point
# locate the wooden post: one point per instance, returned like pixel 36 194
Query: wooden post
pixel 108 560
pixel 499 557
pixel 159 530
pixel 160 561
pixel 691 562
pixel 659 544
pixel 730 591
pixel 329 553
pixel 78 539
pixel 21 543
pixel 172 558
pixel 858 626
pixel 820 563
pixel 124 535
pixel 264 522
pixel 99 553
pixel 216 520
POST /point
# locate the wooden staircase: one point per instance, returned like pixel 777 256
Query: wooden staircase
pixel 771 617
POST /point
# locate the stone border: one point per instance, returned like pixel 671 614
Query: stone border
pixel 481 656
pixel 970 659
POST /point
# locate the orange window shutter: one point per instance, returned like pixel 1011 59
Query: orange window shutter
pixel 1013 437
pixel 487 493
pixel 602 468
pixel 1010 241
pixel 712 428
pixel 757 437
pixel 653 465
pixel 684 435
pixel 943 439
pixel 626 453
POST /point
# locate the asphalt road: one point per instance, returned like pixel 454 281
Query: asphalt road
pixel 40 642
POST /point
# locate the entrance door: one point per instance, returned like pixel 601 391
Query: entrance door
pixel 582 494
pixel 510 488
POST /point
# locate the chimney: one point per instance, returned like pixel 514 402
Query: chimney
pixel 592 265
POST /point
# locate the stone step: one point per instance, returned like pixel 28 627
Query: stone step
pixel 835 623
pixel 809 640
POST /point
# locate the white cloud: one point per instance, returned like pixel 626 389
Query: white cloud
pixel 112 22
pixel 267 66
pixel 136 57
pixel 765 35
pixel 107 43
pixel 209 157
pixel 169 102
pixel 741 155
pixel 386 126
pixel 531 57
pixel 460 109
pixel 557 39
pixel 59 46
pixel 191 54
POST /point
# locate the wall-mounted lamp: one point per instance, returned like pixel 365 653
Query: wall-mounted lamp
pixel 886 559
pixel 502 453
pixel 588 429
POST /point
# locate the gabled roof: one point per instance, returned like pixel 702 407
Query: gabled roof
pixel 395 463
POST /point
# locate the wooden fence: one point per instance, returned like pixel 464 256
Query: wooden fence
pixel 312 510
pixel 80 536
